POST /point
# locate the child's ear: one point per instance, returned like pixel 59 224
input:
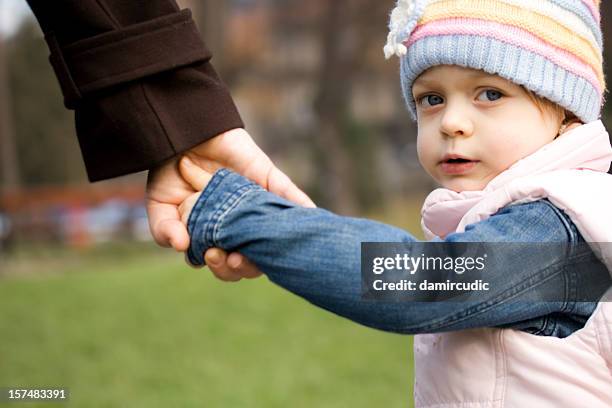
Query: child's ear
pixel 193 174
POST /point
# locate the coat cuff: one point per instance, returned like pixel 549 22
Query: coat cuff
pixel 126 54
pixel 142 93
pixel 140 125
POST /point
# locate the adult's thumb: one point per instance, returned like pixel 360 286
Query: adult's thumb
pixel 193 174
pixel 279 183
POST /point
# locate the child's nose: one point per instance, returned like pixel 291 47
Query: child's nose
pixel 455 122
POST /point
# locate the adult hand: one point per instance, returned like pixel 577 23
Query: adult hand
pixel 166 190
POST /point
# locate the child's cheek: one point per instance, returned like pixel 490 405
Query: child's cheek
pixel 427 152
pixel 511 152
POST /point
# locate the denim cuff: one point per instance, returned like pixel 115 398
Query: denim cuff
pixel 222 194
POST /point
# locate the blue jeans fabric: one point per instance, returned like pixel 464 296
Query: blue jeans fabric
pixel 315 254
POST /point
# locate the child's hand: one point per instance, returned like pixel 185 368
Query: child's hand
pixel 228 268
pixel 198 179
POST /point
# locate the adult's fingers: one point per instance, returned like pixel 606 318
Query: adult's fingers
pixel 235 149
pixel 166 227
pixel 279 183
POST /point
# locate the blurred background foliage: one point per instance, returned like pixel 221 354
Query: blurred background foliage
pixel 120 322
pixel 308 77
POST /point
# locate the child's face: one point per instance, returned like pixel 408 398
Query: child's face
pixel 481 117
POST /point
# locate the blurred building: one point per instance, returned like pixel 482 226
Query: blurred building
pixel 77 216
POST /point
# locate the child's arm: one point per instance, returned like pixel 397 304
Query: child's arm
pixel 316 255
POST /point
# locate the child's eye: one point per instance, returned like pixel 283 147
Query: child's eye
pixel 491 95
pixel 431 100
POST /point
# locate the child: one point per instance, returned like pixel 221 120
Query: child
pixel 500 90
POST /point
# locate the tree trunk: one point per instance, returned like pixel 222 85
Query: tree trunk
pixel 332 108
pixel 211 16
pixel 8 150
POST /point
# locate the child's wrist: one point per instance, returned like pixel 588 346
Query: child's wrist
pixel 221 195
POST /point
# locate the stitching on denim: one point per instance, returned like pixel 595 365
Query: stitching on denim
pixel 542 327
pixel 571 291
pixel 509 294
pixel 212 224
pixel 553 329
pixel 481 308
pixel 572 298
pixel 548 328
pixel 469 313
pixel 237 198
pixel 210 189
pixel 573 237
pixel 206 193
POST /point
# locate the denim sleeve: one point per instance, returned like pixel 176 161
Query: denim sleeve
pixel 315 254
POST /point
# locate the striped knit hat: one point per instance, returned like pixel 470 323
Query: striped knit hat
pixel 551 47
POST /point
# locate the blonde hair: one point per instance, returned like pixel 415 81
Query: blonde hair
pixel 546 106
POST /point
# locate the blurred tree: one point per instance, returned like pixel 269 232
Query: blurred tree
pixel 46 141
pixel 331 107
pixel 211 18
pixel 10 179
pixel 277 52
pixel 347 36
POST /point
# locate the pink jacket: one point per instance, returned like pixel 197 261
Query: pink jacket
pixel 510 368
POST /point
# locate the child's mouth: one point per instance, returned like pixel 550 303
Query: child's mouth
pixel 457 166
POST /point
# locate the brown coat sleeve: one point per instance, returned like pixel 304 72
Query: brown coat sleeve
pixel 139 79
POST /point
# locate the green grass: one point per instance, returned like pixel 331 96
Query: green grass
pixel 133 326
